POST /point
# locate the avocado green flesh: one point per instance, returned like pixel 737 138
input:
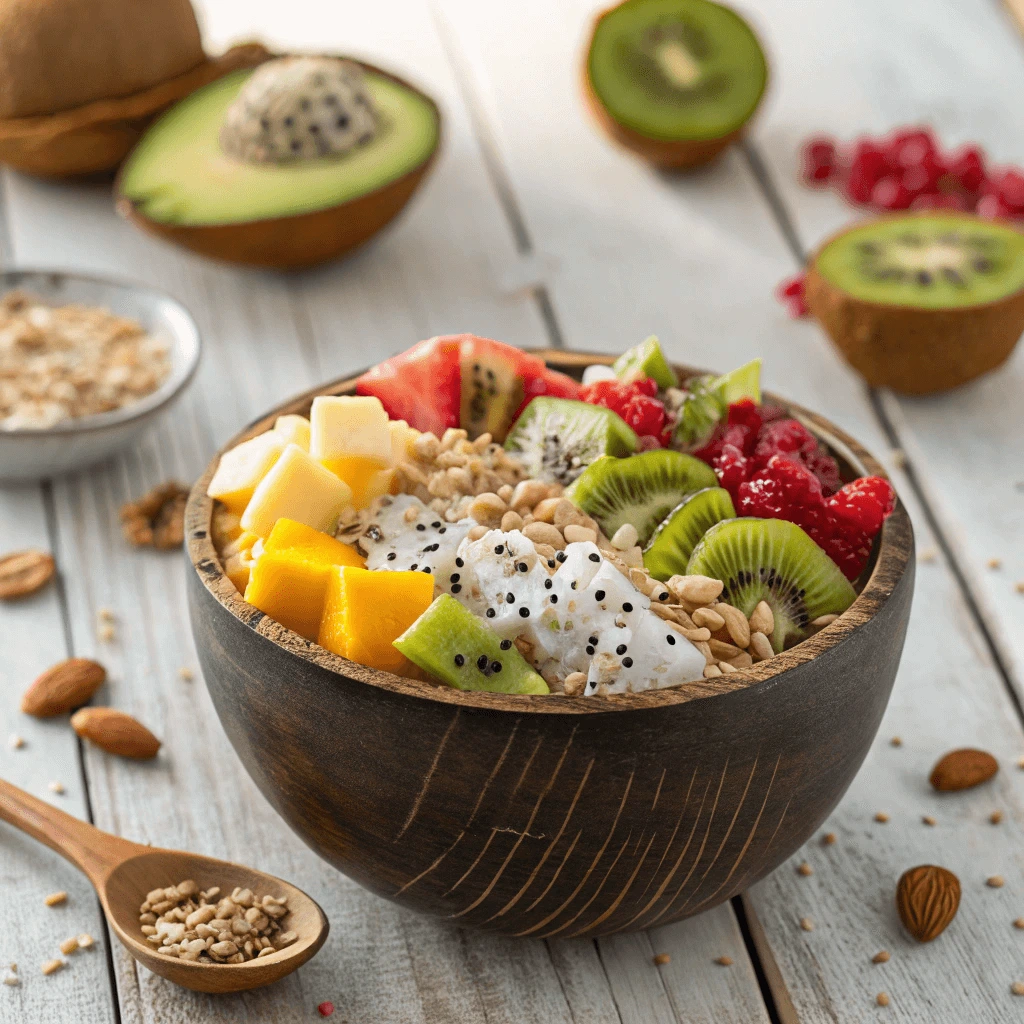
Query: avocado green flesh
pixel 965 262
pixel 677 70
pixel 178 173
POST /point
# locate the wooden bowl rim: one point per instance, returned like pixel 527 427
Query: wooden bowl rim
pixel 129 208
pixel 891 561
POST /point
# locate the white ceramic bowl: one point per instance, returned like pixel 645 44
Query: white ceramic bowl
pixel 75 444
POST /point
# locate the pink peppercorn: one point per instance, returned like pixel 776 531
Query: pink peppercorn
pixel 326 1009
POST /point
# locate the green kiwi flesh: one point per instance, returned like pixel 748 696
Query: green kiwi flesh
pixel 708 399
pixel 641 490
pixel 672 543
pixel 773 560
pixel 557 438
pixel 646 360
pixel 930 261
pixel 456 647
pixel 676 70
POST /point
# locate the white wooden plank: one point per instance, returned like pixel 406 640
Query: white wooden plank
pixel 33 640
pixel 959 67
pixel 696 259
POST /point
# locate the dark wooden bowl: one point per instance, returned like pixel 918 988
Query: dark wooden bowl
pixel 549 816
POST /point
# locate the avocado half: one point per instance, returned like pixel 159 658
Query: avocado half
pixel 178 183
pixel 622 108
pixel 96 136
pixel 919 339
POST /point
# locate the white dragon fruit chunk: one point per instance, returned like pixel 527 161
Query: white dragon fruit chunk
pixel 404 534
pixel 299 108
pixel 650 656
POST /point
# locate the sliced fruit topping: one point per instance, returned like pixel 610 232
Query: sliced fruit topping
pixel 242 468
pixel 366 612
pixel 351 436
pixel 420 385
pixel 933 261
pixel 672 544
pixel 676 69
pixel 547 382
pixel 707 401
pixel 298 540
pixel 456 647
pixel 557 438
pixel 493 378
pixel 646 360
pixel 636 403
pixel 774 561
pixel 641 490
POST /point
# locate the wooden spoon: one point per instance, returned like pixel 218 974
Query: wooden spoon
pixel 123 872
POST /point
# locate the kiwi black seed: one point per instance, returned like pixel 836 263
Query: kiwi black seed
pixel 921 302
pixel 773 560
pixel 641 490
pixel 672 543
pixel 674 80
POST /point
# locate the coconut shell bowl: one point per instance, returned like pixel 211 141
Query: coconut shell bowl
pixel 553 816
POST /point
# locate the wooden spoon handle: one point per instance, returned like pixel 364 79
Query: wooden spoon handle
pixel 94 852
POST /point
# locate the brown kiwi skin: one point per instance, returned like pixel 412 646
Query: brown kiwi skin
pixel 677 155
pixel 915 351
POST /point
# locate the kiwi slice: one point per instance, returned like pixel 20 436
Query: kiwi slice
pixel 676 71
pixel 921 302
pixel 557 438
pixel 708 399
pixel 646 360
pixel 641 490
pixel 453 645
pixel 672 543
pixel 775 561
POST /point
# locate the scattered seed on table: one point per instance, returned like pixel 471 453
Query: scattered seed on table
pixel 86 941
pixel 882 817
pixel 805 869
pixel 325 1009
pixel 105 615
pixel 1017 988
pixel 896 741
pixel 661 959
pixel 882 999
pixel 52 965
pixel 928 820
pixel 55 898
pixel 56 787
pixel 995 817
pixel 724 961
pixel 1019 923
pixel 995 563
pixel 927 555
pixel 15 742
pixel 1019 586
pixel 69 945
pixel 995 882
pixel 829 839
pixel 105 634
pixel 807 924
pixel 881 957
pixel 186 674
pixel 1020 763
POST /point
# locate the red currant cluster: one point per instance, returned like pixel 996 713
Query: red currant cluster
pixel 774 468
pixel 908 170
pixel 637 403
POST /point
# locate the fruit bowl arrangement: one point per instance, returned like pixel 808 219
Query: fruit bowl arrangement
pixel 493 799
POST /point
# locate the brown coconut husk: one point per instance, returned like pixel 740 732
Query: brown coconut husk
pixel 96 136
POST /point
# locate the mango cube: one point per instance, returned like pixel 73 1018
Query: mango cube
pixel 351 436
pixel 293 430
pixel 402 437
pixel 366 611
pixel 289 579
pixel 242 468
pixel 298 488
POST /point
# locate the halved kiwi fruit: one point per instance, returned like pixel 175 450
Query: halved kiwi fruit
pixel 676 81
pixel 672 543
pixel 921 302
pixel 641 490
pixel 775 561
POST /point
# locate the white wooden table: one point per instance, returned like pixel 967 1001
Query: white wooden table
pixel 533 229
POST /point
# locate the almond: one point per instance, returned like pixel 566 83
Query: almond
pixel 927 899
pixel 115 732
pixel 962 769
pixel 64 687
pixel 24 572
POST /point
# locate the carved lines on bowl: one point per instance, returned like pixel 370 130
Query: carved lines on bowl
pixel 430 774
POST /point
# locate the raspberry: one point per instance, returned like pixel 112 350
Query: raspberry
pixel 732 469
pixel 745 413
pixel 941 201
pixel 910 147
pixel 825 468
pixel 645 415
pixel 862 505
pixel 634 402
pixel 890 193
pixel 818 159
pixel 783 489
pixel 1011 190
pixel 966 166
pixel 867 166
pixel 326 1008
pixel 785 436
pixel 850 553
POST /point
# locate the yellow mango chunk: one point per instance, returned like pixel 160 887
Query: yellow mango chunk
pixel 242 544
pixel 290 590
pixel 367 478
pixel 293 430
pixel 297 539
pixel 366 611
pixel 402 437
pixel 237 568
pixel 298 488
pixel 242 468
pixel 347 425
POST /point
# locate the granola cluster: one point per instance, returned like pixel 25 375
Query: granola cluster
pixel 59 363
